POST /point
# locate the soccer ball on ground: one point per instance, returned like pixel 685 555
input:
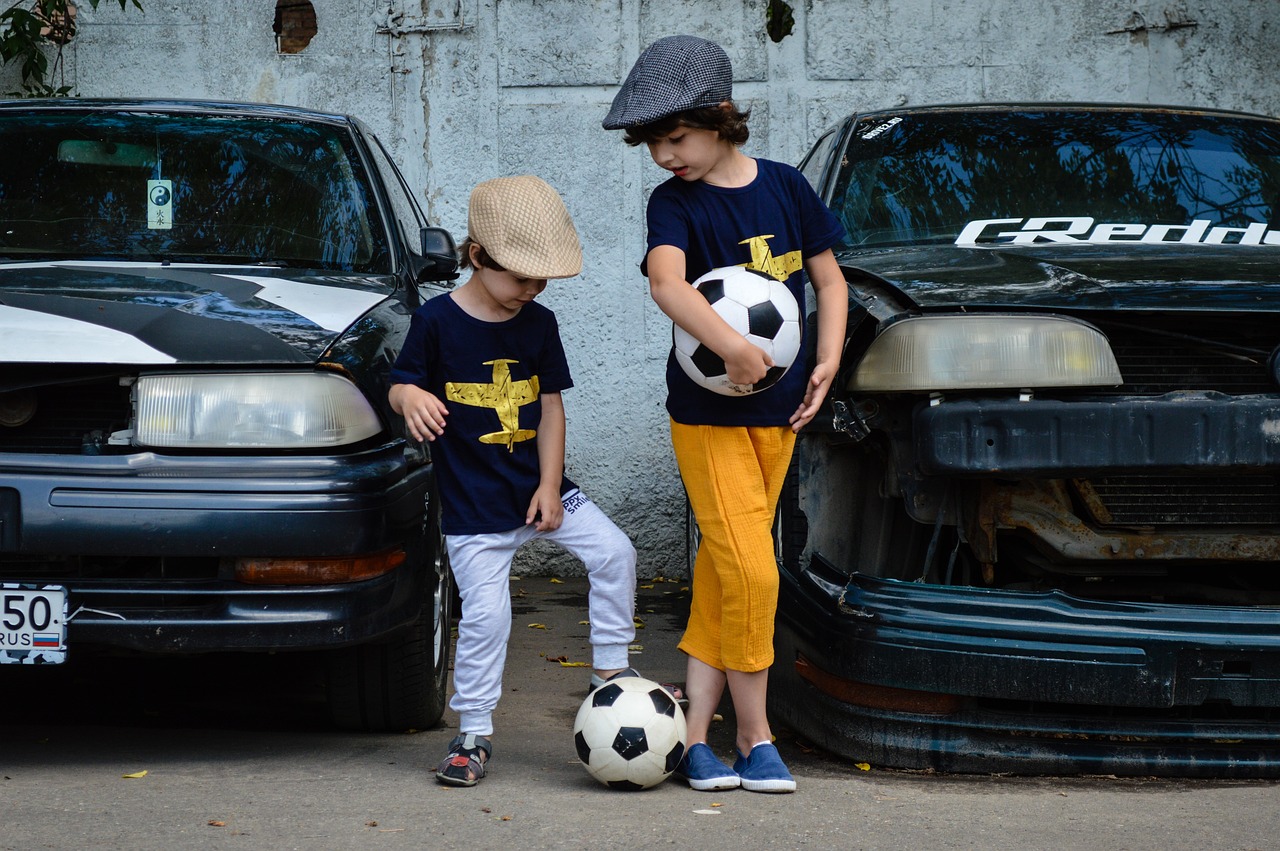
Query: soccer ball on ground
pixel 761 309
pixel 630 734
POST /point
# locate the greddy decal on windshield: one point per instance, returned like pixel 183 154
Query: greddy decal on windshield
pixel 1081 229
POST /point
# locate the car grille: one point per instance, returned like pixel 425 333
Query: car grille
pixel 1165 353
pixel 1238 500
pixel 71 418
pixel 60 569
pixel 1161 354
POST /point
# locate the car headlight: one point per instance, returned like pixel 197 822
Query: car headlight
pixel 968 352
pixel 251 411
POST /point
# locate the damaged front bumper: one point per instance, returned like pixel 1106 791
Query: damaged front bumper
pixel 976 680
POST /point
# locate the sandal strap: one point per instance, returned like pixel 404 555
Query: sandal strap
pixel 470 744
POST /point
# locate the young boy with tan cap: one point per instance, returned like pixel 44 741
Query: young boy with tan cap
pixel 488 360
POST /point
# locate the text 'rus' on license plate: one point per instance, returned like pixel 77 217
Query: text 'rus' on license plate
pixel 33 624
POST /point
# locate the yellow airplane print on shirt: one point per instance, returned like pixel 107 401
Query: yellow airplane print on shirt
pixel 503 395
pixel 763 259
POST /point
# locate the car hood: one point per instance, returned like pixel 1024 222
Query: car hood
pixel 119 313
pixel 1083 277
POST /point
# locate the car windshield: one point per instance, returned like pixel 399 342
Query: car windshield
pixel 1064 176
pixel 185 188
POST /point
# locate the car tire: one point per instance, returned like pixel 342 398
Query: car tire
pixel 790 526
pixel 400 683
pixel 692 538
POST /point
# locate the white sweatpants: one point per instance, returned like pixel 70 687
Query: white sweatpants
pixel 482 570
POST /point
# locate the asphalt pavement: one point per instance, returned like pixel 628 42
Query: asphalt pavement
pixel 232 752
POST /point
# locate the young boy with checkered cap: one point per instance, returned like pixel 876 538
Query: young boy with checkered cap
pixel 723 208
pixel 486 361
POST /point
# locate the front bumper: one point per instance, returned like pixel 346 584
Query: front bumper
pixel 967 679
pixel 1063 438
pixel 74 521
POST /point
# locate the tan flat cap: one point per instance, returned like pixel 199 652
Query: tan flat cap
pixel 525 227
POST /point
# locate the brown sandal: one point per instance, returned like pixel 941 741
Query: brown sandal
pixel 465 764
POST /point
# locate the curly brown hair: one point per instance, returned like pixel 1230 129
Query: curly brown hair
pixel 729 122
pixel 482 258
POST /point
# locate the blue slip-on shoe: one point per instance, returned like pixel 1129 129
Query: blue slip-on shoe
pixel 703 771
pixel 763 770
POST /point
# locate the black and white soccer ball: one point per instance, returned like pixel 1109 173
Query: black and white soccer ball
pixel 630 734
pixel 761 309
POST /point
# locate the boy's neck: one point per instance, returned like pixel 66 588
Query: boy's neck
pixel 733 170
pixel 474 300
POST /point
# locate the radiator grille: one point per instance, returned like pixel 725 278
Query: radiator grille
pixel 1195 352
pixel 1239 500
pixel 67 415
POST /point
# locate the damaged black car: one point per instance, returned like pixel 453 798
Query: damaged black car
pixel 199 307
pixel 1037 529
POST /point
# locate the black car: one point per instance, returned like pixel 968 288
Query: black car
pixel 199 307
pixel 1037 529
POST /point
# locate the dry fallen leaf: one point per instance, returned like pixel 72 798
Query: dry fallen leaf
pixel 555 581
pixel 862 766
pixel 575 664
pixel 646 587
pixel 216 823
pixel 135 775
pixel 584 623
pixel 537 626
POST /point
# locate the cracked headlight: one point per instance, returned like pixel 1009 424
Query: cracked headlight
pixel 968 352
pixel 251 411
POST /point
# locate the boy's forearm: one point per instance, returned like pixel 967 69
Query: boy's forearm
pixel 395 397
pixel 551 435
pixel 684 306
pixel 833 306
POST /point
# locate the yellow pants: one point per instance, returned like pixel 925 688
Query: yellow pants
pixel 733 475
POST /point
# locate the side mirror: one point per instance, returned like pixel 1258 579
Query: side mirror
pixel 439 256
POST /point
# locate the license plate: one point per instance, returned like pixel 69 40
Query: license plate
pixel 33 624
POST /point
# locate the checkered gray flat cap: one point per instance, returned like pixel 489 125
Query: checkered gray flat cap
pixel 673 74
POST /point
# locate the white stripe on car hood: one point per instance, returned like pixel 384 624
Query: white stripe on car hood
pixel 28 336
pixel 332 308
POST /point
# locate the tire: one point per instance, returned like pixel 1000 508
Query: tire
pixel 400 683
pixel 692 538
pixel 790 526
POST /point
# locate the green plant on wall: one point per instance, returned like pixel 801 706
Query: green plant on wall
pixel 28 31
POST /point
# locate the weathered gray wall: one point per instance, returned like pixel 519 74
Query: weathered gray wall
pixel 465 90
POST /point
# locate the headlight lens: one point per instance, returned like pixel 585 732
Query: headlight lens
pixel 251 411
pixel 929 353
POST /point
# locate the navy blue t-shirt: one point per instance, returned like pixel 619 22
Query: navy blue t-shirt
pixel 490 376
pixel 770 225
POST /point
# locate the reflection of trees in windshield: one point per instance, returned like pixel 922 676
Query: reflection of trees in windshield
pixel 924 178
pixel 244 191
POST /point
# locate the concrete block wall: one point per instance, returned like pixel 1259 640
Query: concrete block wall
pixel 465 90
